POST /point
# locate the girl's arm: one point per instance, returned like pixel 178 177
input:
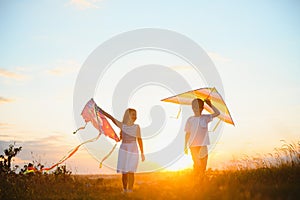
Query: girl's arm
pixel 216 111
pixel 115 121
pixel 140 142
pixel 121 135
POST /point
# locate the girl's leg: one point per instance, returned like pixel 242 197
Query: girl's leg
pixel 125 181
pixel 130 180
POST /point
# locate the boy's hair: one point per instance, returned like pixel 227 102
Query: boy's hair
pixel 197 104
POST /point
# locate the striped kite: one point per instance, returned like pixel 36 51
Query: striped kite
pixel 212 94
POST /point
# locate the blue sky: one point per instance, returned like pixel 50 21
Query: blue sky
pixel 254 45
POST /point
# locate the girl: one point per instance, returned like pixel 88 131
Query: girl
pixel 128 153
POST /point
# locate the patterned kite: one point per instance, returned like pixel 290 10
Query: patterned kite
pixel 90 113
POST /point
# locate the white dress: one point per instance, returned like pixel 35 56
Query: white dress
pixel 128 157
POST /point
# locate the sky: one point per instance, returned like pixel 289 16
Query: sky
pixel 254 45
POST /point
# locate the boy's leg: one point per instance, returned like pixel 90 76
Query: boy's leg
pixel 195 156
pixel 125 180
pixel 203 156
pixel 203 163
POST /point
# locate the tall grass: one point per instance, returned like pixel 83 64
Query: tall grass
pixel 288 155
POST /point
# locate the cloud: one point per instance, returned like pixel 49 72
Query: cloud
pixel 60 71
pixel 63 68
pixel 218 58
pixel 83 4
pixel 4 126
pixel 12 75
pixel 5 100
pixel 4 136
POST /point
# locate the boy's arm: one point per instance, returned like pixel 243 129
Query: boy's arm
pixel 216 111
pixel 187 137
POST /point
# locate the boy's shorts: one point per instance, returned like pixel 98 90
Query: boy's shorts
pixel 199 152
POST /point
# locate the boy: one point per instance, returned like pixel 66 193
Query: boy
pixel 196 129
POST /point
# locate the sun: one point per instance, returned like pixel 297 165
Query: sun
pixel 184 162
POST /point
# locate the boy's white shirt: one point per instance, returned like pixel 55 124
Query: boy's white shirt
pixel 198 129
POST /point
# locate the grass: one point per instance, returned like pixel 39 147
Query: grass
pixel 273 176
pixel 281 183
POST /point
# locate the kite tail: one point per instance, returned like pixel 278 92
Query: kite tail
pixel 216 126
pixel 178 114
pixel 103 159
pixel 80 128
pixel 72 152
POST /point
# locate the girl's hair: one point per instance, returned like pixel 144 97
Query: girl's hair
pixel 126 116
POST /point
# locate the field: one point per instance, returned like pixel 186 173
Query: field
pixel 275 176
pixel 283 183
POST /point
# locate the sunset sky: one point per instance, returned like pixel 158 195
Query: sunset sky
pixel 254 45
